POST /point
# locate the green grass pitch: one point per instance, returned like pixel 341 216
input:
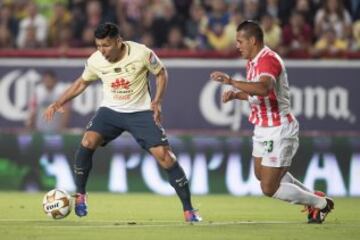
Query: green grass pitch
pixel 148 216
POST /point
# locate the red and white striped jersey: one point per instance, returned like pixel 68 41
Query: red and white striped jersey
pixel 274 109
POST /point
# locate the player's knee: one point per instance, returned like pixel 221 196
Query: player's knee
pixel 88 143
pixel 167 160
pixel 164 156
pixel 268 189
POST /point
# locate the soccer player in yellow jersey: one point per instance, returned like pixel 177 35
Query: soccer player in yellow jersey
pixel 123 68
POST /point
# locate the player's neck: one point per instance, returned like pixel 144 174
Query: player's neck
pixel 256 51
pixel 122 52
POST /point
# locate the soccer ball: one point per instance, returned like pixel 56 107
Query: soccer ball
pixel 57 203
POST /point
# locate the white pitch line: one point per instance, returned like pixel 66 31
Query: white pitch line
pixel 147 224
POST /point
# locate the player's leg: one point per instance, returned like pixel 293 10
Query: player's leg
pixel 177 179
pixel 152 137
pixel 82 167
pixel 272 185
pixel 83 159
pixel 99 131
pixel 272 159
pixel 289 178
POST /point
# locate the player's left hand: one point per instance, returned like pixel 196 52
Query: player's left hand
pixel 50 111
pixel 220 77
pixel 156 107
pixel 228 96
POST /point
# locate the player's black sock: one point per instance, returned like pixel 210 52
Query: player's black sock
pixel 82 167
pixel 179 181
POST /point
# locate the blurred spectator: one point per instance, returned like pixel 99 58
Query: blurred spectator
pixel 175 39
pixel 182 8
pixel 307 9
pixel 6 39
pixel 92 18
pixel 19 8
pixel 354 7
pixel 66 40
pixel 147 22
pixel 272 8
pixel 217 16
pixel 333 15
pixel 165 17
pixel 87 37
pixel 147 39
pixel 32 28
pixel 297 35
pixel 219 39
pixel 330 45
pixel 128 31
pixel 282 9
pixel 60 19
pixel 44 94
pixel 193 38
pixel 128 10
pixel 213 27
pixel 355 45
pixel 230 31
pixel 272 31
pixel 234 5
pixel 251 9
pixel 7 20
pixel 46 7
pixel 203 24
pixel 30 40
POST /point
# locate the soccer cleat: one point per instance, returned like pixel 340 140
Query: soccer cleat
pixel 319 215
pixel 80 205
pixel 309 209
pixel 192 216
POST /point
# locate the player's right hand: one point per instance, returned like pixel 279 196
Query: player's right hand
pixel 50 111
pixel 228 96
pixel 220 77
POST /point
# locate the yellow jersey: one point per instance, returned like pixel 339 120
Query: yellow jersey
pixel 125 83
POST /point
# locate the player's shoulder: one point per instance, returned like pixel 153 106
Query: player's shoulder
pixel 270 56
pixel 95 58
pixel 135 44
pixel 137 48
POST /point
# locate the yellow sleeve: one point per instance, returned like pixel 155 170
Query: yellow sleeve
pixel 89 73
pixel 152 62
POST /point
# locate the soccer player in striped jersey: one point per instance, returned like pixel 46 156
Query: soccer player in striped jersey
pixel 275 139
pixel 123 68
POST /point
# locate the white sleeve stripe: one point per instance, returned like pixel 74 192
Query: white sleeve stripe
pixel 267 74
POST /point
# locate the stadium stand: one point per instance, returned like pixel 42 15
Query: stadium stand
pixel 181 28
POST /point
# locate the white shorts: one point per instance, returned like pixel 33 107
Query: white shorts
pixel 276 145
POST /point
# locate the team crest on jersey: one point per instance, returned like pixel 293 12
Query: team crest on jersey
pixel 152 59
pixel 130 68
pixel 120 83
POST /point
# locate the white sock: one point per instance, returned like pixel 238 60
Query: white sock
pixel 289 178
pixel 290 192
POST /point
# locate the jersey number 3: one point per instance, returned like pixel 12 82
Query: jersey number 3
pixel 269 145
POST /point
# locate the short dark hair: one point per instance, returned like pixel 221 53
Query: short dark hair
pixel 108 29
pixel 252 29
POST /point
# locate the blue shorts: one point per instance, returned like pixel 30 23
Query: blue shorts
pixel 141 125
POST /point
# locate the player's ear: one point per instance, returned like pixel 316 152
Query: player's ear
pixel 119 41
pixel 252 40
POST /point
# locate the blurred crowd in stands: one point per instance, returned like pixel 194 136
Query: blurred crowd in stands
pixel 311 27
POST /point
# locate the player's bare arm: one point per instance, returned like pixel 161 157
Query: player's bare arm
pixel 260 88
pixel 161 83
pixel 231 95
pixel 74 90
